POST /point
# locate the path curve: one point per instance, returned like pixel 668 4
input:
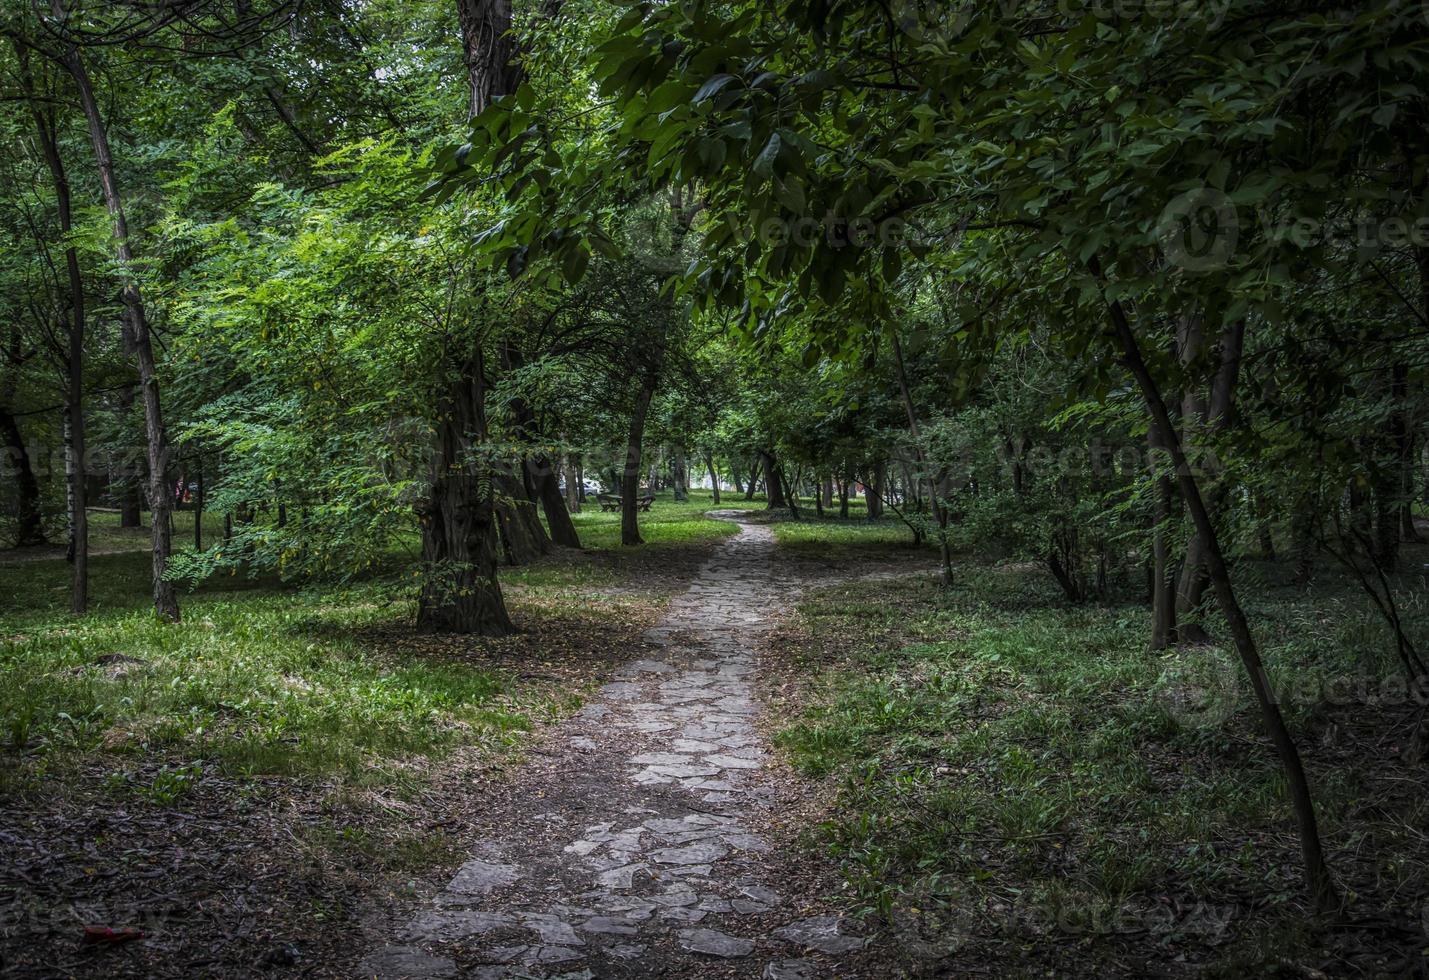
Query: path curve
pixel 637 853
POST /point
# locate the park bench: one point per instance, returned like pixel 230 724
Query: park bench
pixel 610 502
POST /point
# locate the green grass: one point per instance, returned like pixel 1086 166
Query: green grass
pixel 1000 753
pixel 259 681
pixel 667 523
pixel 270 678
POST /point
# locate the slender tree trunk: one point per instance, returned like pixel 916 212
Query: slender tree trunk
pixel 752 488
pixel 76 463
pixel 130 472
pixel 198 510
pixel 738 482
pixel 166 604
pixel 1210 417
pixel 828 489
pixel 940 511
pixel 568 483
pixel 1163 577
pixel 630 478
pixel 714 477
pixel 1317 874
pixel 843 499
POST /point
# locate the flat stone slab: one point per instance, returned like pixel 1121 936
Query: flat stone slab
pixel 451 924
pixel 712 942
pixel 483 877
pixel 700 852
pixel 406 963
pixel 821 933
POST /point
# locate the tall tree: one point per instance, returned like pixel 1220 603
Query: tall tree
pixel 136 322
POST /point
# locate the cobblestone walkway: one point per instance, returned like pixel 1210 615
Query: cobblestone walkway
pixel 635 853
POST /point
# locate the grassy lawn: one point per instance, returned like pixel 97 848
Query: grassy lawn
pixel 1007 770
pixel 302 723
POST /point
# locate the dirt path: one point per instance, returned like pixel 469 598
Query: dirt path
pixel 632 849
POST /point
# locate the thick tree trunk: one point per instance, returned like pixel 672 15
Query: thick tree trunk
pixel 828 490
pixel 166 604
pixel 460 592
pixel 630 477
pixel 523 539
pixel 773 486
pixel 540 476
pixel 492 66
pixel 29 519
pixel 1317 874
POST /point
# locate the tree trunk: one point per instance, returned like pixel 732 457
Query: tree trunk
pixel 682 488
pixel 539 474
pixel 873 493
pixel 492 65
pixel 940 511
pixel 714 477
pixel 1317 873
pixel 572 481
pixel 752 487
pixel 198 510
pixel 1163 577
pixel 630 478
pixel 738 482
pixel 460 591
pixel 828 489
pixel 29 520
pixel 774 488
pixel 523 539
pixel 166 604
pixel 76 463
pixel 843 499
pixel 1208 417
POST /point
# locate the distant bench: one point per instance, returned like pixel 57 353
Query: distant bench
pixel 609 502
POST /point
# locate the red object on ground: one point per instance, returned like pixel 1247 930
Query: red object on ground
pixel 104 934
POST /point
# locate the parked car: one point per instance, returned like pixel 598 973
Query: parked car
pixel 589 487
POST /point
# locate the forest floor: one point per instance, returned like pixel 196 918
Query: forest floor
pixel 797 739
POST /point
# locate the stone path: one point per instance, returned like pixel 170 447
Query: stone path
pixel 636 853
